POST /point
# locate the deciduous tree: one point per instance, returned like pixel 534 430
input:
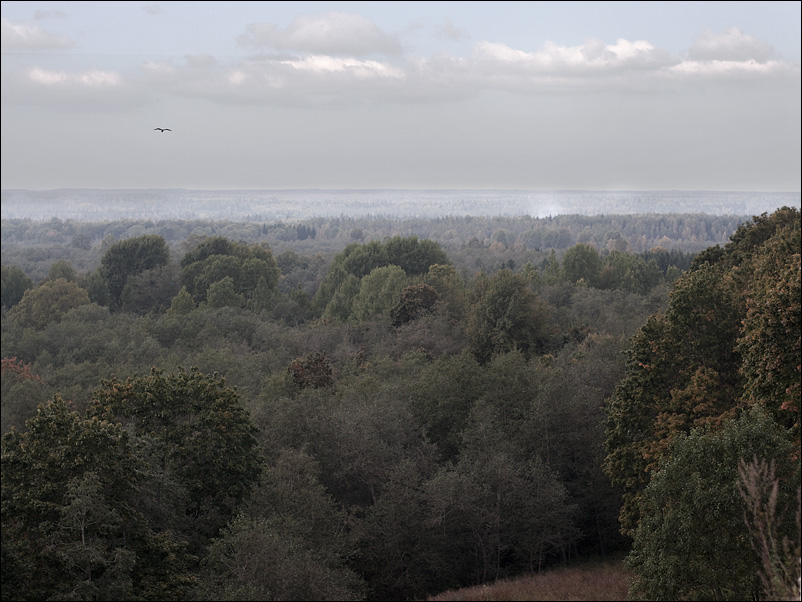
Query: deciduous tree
pixel 196 429
pixel 48 302
pixel 506 315
pixel 14 284
pixel 692 541
pixel 129 257
pixel 71 528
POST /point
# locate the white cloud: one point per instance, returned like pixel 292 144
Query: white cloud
pixel 327 78
pixel 357 68
pixel 22 36
pixel 721 69
pixel 87 91
pixel 93 79
pixel 732 45
pixel 336 33
pixel 593 56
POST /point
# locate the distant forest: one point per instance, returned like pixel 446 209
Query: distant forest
pixel 294 205
pixel 472 242
pixel 385 408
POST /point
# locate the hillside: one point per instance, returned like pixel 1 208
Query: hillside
pixel 597 580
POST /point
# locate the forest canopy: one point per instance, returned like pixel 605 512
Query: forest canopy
pixel 356 410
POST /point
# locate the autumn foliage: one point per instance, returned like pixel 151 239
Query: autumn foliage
pixel 728 343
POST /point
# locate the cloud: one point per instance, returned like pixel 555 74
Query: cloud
pixel 152 9
pixel 592 57
pixel 357 69
pixel 333 32
pixel 92 79
pixel 343 76
pixel 732 45
pixel 87 91
pixel 278 79
pixel 448 31
pixel 20 36
pixel 46 14
pixel 734 70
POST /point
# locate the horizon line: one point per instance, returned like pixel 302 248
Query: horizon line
pixel 429 189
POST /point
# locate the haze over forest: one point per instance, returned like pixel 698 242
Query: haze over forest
pixel 267 205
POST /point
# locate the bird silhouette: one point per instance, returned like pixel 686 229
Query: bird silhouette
pixel 162 130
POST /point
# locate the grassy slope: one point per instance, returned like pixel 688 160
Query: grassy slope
pixel 602 580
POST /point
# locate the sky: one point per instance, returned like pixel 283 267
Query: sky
pixel 402 95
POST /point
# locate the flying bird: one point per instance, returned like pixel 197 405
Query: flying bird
pixel 162 130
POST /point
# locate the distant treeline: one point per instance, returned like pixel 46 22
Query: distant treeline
pixel 513 241
pixel 275 205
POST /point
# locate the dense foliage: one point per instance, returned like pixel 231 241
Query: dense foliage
pixel 385 419
pixel 728 342
pixel 74 517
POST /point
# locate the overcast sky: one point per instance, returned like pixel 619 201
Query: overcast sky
pixel 509 95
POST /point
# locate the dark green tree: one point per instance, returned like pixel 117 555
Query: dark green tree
pixel 62 269
pixel 341 302
pixel 685 367
pixel 97 288
pixel 378 292
pixel 582 262
pixel 629 272
pixel 250 267
pixel 506 315
pixel 14 284
pixel 444 393
pixel 128 258
pixel 182 303
pixel 291 543
pixel 82 241
pixel 151 290
pixel 770 337
pixel 48 302
pixel 196 429
pixel 400 555
pixel 71 529
pixel 692 541
pixel 499 512
pixel 449 287
pixel 221 293
pixel 412 255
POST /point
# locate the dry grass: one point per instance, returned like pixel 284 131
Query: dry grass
pixel 597 581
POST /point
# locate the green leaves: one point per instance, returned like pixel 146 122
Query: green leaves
pixel 729 339
pixel 728 345
pixel 506 315
pixel 248 267
pixel 273 551
pixel 48 302
pixel 70 522
pixel 692 541
pixel 129 257
pixel 770 337
pixel 197 430
pixel 14 284
pixel 356 261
